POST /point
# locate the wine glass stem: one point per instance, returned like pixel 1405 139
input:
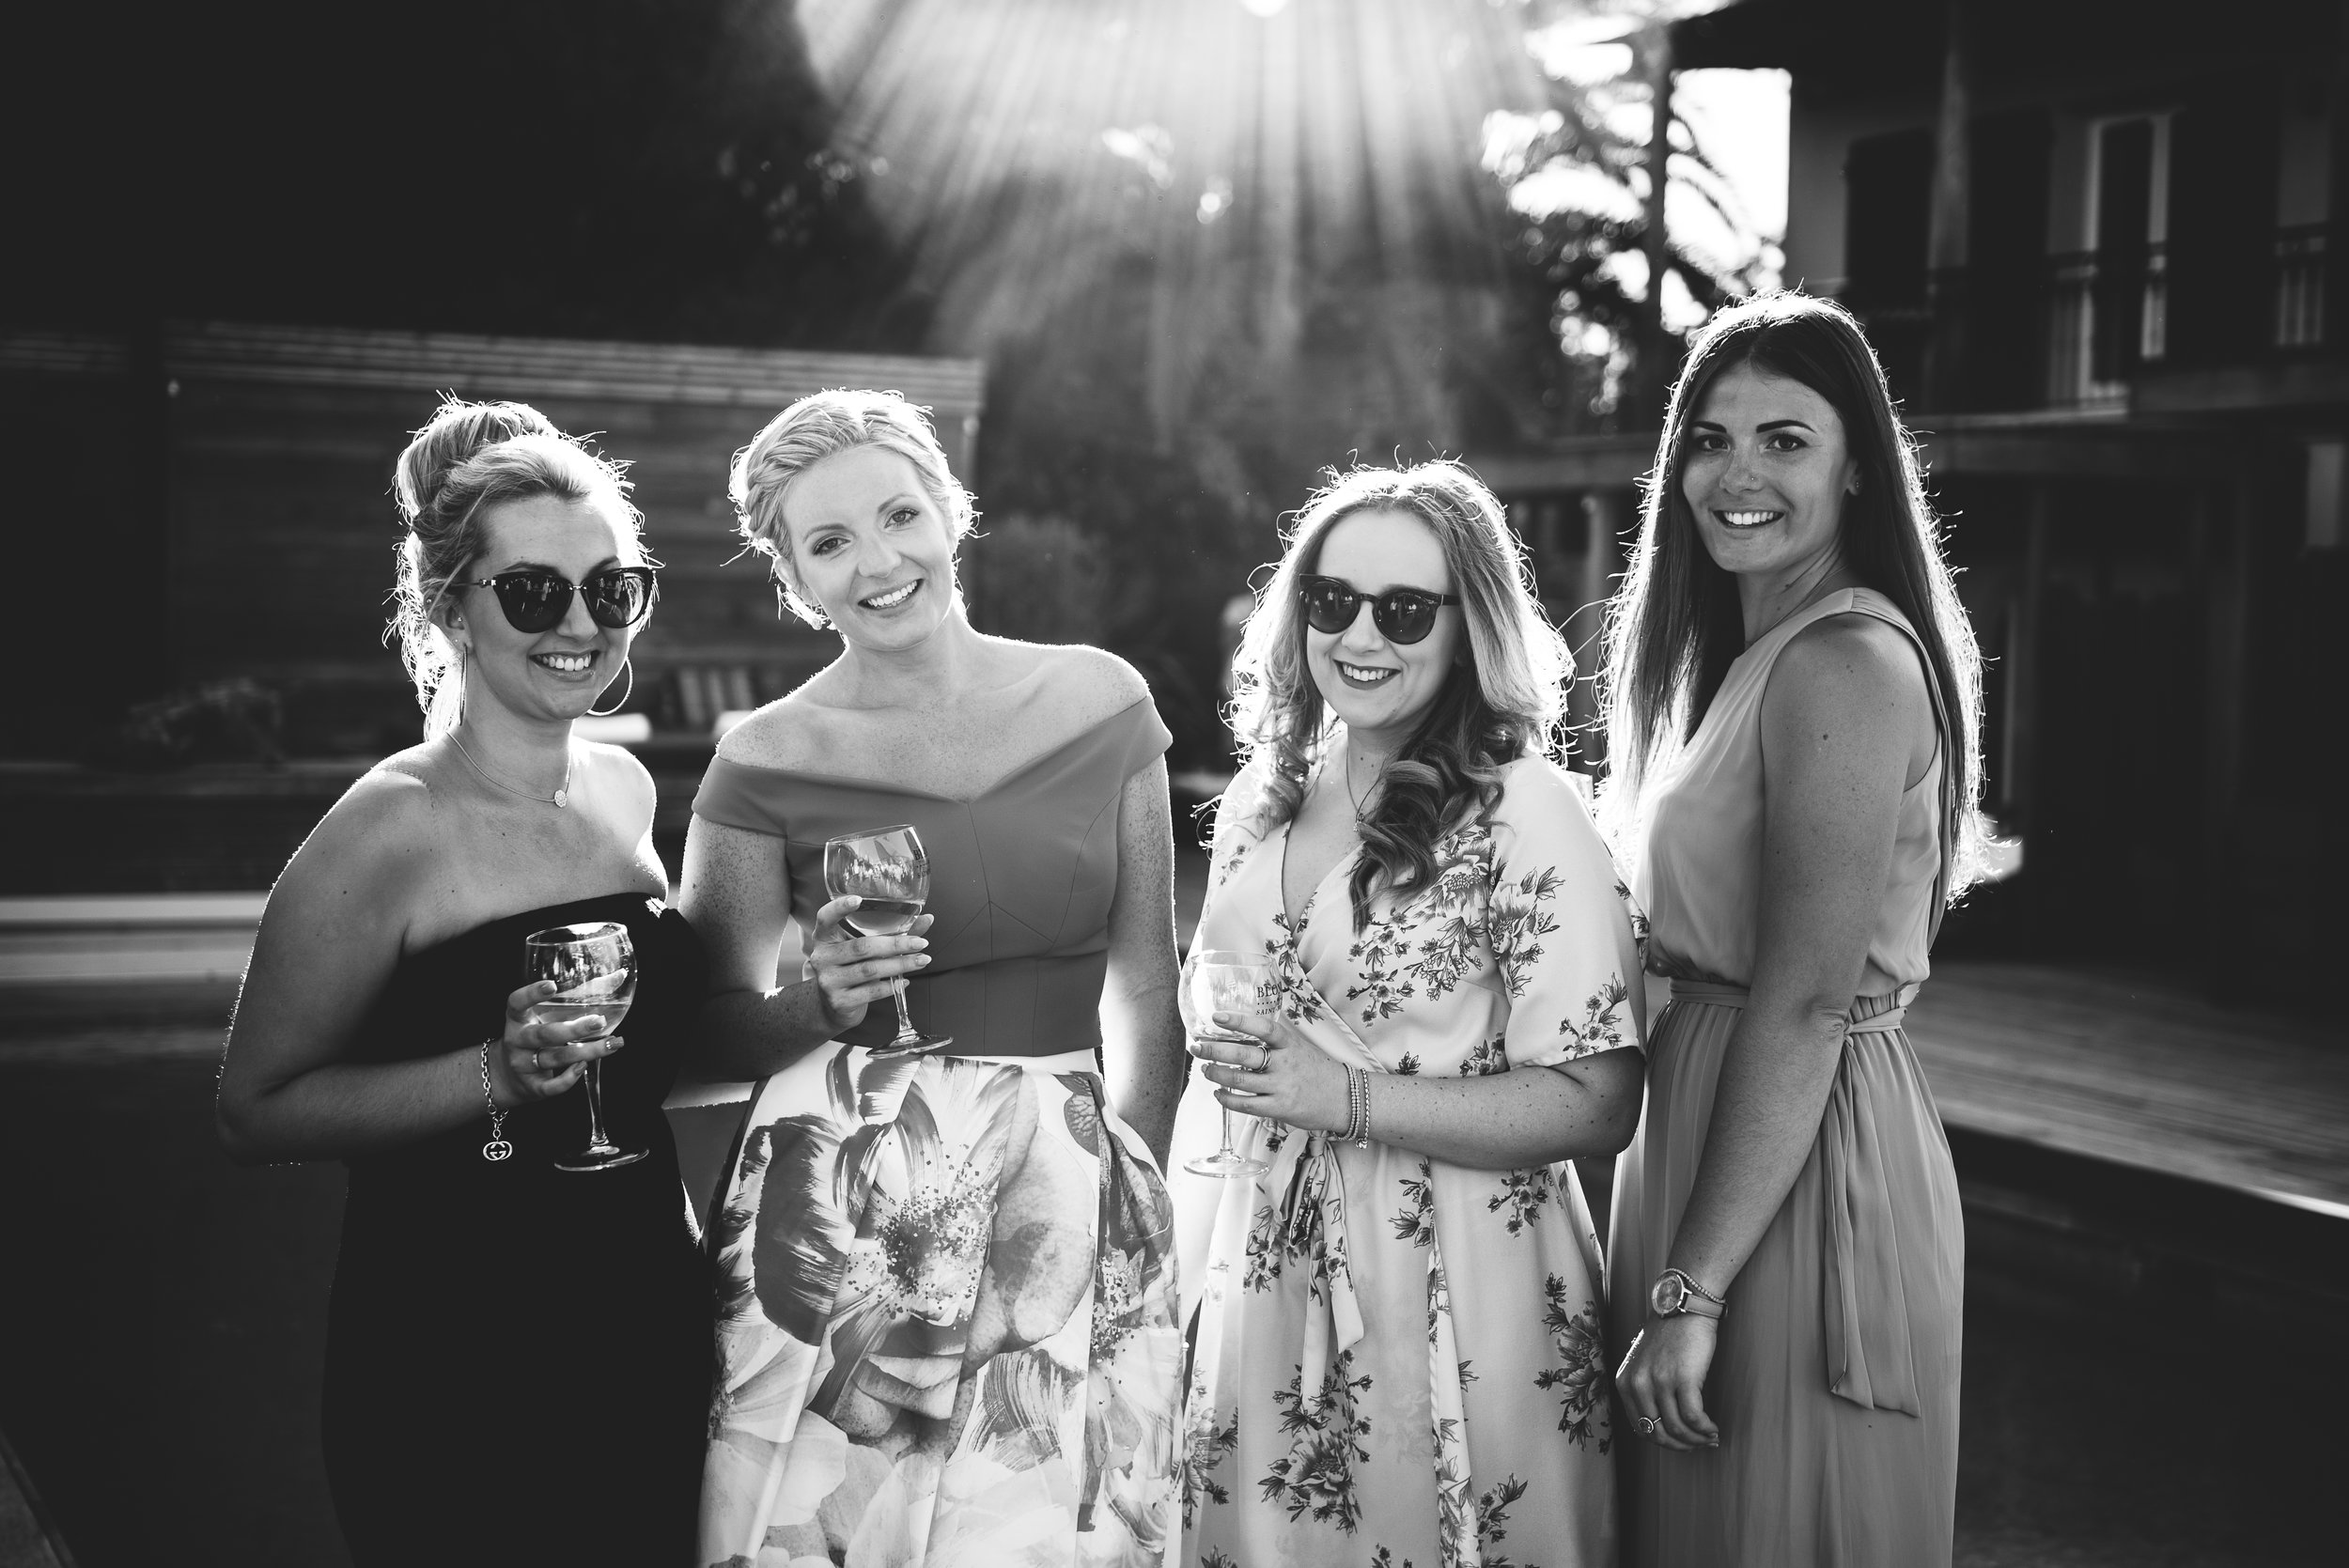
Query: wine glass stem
pixel 597 1142
pixel 905 1037
pixel 1226 1151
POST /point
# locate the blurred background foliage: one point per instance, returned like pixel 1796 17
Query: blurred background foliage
pixel 1209 249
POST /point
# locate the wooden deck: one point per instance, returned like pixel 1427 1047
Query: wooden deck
pixel 2127 1068
pixel 2117 1067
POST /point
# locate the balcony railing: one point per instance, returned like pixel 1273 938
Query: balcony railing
pixel 2300 267
pixel 2107 316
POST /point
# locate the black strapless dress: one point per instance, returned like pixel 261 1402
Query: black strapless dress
pixel 517 1364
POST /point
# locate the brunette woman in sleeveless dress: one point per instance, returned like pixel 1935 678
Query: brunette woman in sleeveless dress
pixel 1795 697
pixel 518 1357
pixel 947 1328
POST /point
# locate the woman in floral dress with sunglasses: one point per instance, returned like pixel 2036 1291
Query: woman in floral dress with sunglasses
pixel 1397 1354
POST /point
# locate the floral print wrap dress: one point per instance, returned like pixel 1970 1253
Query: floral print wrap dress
pixel 1399 1361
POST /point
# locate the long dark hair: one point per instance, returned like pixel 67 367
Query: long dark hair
pixel 1498 704
pixel 1674 627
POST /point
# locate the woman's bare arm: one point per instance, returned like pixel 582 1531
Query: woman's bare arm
pixel 736 893
pixel 329 939
pixel 1845 722
pixel 1577 1110
pixel 1141 1031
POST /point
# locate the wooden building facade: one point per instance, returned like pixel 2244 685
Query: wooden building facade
pixel 233 484
pixel 2095 252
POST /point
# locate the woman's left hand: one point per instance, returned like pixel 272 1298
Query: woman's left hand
pixel 1283 1077
pixel 1662 1381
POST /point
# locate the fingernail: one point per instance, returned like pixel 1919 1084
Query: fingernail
pixel 920 958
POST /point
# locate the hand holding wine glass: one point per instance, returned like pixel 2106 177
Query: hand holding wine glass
pixel 1231 984
pixel 887 872
pixel 593 969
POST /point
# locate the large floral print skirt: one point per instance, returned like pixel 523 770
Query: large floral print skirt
pixel 946 1323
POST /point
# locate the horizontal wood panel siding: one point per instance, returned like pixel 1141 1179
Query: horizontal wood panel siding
pixel 283 443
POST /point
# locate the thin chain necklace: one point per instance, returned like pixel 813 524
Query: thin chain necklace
pixel 559 800
pixel 1349 786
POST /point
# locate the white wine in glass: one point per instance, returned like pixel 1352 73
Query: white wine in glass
pixel 886 870
pixel 594 967
pixel 1227 983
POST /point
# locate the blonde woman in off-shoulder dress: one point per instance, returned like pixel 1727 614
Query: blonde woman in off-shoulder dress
pixel 946 1324
pixel 1398 1356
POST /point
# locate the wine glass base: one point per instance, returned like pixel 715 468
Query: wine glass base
pixel 1226 1166
pixel 919 1046
pixel 590 1159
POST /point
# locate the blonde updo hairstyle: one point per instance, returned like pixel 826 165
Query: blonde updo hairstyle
pixel 815 427
pixel 468 457
pixel 1500 702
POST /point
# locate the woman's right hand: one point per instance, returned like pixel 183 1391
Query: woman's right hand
pixel 539 1061
pixel 852 972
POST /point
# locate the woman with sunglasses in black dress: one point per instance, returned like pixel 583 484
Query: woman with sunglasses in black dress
pixel 518 1357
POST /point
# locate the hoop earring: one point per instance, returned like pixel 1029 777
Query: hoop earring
pixel 628 668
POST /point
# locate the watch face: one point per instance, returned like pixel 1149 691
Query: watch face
pixel 1668 1295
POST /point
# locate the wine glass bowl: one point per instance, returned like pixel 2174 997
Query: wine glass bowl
pixel 888 872
pixel 1227 983
pixel 594 971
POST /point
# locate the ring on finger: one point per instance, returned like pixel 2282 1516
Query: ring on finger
pixel 1263 1057
pixel 1649 1426
pixel 537 1060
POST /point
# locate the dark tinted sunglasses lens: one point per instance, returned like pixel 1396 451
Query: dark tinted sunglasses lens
pixel 617 598
pixel 533 601
pixel 1405 617
pixel 1329 608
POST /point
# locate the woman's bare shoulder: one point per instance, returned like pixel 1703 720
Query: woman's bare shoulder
pixel 373 845
pixel 796 731
pixel 1090 684
pixel 1840 660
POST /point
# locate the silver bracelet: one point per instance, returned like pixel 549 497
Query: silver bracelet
pixel 497 1148
pixel 1361 1131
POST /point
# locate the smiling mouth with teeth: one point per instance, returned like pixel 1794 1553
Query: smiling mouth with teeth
pixel 566 664
pixel 1746 518
pixel 1359 673
pixel 892 599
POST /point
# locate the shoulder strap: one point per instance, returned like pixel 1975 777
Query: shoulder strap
pixel 1867 602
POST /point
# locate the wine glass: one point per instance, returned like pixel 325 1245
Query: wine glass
pixel 593 969
pixel 1227 983
pixel 887 870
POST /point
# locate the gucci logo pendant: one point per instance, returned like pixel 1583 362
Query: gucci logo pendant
pixel 496 1149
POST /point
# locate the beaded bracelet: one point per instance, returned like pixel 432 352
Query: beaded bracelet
pixel 1357 1107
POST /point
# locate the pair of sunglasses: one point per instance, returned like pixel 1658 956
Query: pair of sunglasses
pixel 536 600
pixel 1402 615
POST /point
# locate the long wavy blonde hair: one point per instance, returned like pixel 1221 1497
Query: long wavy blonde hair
pixel 1499 703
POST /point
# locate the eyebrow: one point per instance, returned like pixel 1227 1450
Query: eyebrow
pixel 549 566
pixel 1763 427
pixel 1377 593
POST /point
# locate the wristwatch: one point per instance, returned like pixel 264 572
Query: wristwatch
pixel 1674 1293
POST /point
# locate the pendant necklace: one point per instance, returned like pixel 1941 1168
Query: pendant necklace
pixel 559 800
pixel 1350 787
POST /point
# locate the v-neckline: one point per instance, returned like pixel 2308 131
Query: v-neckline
pixel 1281 880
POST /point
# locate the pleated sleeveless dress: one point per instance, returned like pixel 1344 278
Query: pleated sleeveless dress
pixel 1835 1384
pixel 946 1331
